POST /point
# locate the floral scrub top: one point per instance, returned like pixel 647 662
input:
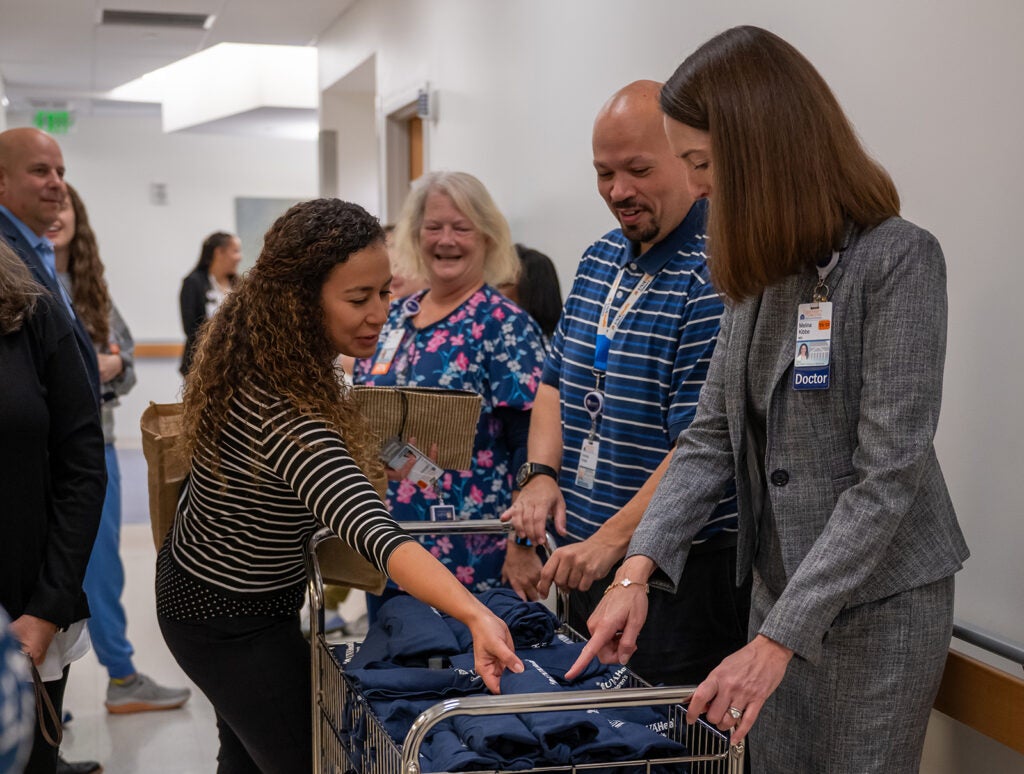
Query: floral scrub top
pixel 492 347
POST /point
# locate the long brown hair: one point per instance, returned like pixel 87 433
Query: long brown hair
pixel 88 287
pixel 271 331
pixel 787 168
pixel 18 291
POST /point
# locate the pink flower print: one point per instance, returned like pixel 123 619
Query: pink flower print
pixel 458 341
pixel 477 330
pixel 499 313
pixel 436 340
pixel 443 545
pixel 446 482
pixel 476 495
pixel 462 362
pixel 406 489
pixel 464 575
pixel 429 493
pixel 435 552
pixel 485 458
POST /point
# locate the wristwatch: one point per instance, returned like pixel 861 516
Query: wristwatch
pixel 531 469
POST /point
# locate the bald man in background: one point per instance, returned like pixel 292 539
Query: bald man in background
pixel 627 362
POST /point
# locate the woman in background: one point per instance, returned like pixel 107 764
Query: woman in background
pixel 461 334
pixel 51 490
pixel 206 287
pixel 278 451
pixel 81 271
pixel 537 290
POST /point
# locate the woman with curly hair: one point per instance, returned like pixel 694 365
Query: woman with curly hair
pixel 81 271
pixel 277 450
pixel 205 287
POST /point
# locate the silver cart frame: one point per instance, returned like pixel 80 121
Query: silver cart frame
pixel 332 694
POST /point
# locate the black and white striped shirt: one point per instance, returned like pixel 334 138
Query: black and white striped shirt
pixel 236 546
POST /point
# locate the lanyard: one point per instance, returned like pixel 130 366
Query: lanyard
pixel 593 401
pixel 605 331
pixel 821 290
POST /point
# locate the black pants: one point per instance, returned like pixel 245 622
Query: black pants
pixel 43 759
pixel 255 672
pixel 686 634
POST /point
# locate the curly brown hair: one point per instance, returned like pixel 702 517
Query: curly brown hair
pixel 88 287
pixel 271 331
pixel 18 291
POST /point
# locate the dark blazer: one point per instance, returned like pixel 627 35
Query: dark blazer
pixel 53 477
pixel 192 300
pixel 860 504
pixel 13 237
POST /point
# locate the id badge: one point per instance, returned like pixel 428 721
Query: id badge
pixel 382 363
pixel 588 463
pixel 442 513
pixel 813 346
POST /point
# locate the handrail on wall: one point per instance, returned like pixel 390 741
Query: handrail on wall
pixel 989 641
pixel 987 699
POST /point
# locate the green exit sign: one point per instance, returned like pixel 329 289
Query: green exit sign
pixel 54 121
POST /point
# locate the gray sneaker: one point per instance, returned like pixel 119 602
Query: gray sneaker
pixel 143 695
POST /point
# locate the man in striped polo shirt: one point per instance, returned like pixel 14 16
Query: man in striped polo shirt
pixel 626 366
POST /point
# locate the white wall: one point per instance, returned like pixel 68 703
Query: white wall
pixel 932 86
pixel 3 107
pixel 148 249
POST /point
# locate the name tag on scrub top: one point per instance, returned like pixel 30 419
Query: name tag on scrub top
pixel 813 346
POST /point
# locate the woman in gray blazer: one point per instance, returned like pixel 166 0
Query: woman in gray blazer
pixel 845 521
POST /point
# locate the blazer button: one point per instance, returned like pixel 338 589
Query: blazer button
pixel 780 477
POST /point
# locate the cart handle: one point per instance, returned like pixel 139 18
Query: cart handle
pixel 544 702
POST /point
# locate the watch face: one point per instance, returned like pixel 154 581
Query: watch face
pixel 523 475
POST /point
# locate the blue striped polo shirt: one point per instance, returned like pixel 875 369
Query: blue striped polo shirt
pixel 657 364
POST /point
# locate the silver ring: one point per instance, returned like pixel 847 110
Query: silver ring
pixel 736 713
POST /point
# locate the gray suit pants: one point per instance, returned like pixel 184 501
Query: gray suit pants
pixel 865 706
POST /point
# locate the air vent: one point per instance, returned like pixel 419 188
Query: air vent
pixel 189 21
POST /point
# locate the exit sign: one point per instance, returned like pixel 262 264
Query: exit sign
pixel 54 121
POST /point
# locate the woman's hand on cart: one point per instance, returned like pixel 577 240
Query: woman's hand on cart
pixel 493 649
pixel 734 692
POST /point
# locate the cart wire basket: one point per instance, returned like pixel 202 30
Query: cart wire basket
pixel 340 712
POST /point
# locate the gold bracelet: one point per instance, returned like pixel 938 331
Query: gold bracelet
pixel 626 583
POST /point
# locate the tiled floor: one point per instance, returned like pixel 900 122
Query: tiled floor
pixel 182 741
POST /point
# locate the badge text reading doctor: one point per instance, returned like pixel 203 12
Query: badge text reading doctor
pixel 813 346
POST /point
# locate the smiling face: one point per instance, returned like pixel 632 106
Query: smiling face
pixel 31 177
pixel 693 148
pixel 355 299
pixel 62 230
pixel 453 249
pixel 637 175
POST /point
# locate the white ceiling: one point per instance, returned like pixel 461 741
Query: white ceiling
pixel 54 53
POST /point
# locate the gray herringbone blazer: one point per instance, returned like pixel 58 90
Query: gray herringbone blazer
pixel 859 501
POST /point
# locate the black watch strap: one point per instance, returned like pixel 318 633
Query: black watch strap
pixel 531 469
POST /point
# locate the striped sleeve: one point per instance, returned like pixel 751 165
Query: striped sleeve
pixel 313 460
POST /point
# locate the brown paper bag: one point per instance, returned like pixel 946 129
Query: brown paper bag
pixel 167 469
pixel 165 462
pixel 430 415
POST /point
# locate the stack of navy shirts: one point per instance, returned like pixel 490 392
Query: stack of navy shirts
pixel 414 657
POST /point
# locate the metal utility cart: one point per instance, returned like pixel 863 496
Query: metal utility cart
pixel 337 704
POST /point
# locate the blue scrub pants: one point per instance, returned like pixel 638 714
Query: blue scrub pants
pixel 104 582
